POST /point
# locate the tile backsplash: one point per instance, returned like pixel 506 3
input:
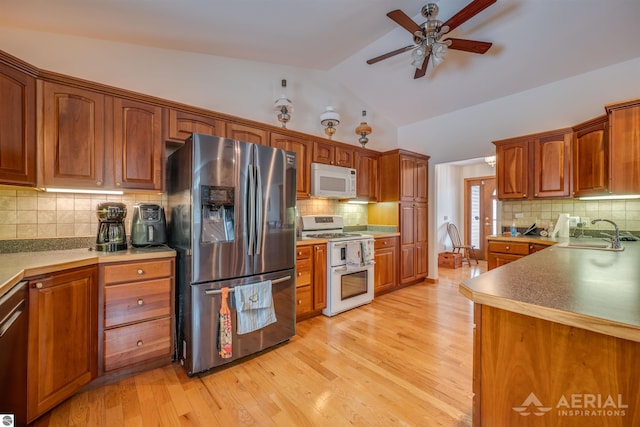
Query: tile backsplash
pixel 353 214
pixel 32 214
pixel 625 213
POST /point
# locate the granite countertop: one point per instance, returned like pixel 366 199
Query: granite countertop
pixel 589 289
pixel 16 266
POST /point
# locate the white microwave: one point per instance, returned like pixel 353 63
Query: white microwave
pixel 334 182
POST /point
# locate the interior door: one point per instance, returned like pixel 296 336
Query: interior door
pixel 480 207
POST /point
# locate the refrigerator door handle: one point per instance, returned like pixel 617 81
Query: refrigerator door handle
pixel 273 282
pixel 258 210
pixel 252 211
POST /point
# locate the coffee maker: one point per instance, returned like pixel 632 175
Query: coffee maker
pixel 111 232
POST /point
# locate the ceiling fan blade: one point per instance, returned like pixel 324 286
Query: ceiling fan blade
pixel 404 21
pixel 468 12
pixel 390 54
pixel 420 72
pixel 472 46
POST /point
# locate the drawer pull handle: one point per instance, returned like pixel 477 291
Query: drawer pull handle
pixel 299 253
pixel 507 247
pixel 140 301
pixel 139 343
pixel 140 271
pixel 39 285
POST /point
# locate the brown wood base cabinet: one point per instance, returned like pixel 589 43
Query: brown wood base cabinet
pixel 503 252
pixel 386 267
pixel 138 312
pixel 311 280
pixel 533 372
pixel 63 337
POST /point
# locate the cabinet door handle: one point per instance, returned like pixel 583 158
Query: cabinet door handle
pixel 140 301
pixel 99 183
pixel 39 285
pixel 299 273
pixel 139 343
pixel 140 271
pixel 299 301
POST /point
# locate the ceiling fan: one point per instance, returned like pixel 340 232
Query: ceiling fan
pixel 427 46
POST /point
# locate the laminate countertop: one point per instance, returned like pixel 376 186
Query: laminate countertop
pixel 16 266
pixel 590 289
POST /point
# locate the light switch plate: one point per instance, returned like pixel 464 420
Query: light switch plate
pixel 586 221
pixel 573 221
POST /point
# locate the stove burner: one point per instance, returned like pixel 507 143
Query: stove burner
pixel 332 235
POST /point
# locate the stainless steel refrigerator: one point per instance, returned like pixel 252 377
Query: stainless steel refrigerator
pixel 231 218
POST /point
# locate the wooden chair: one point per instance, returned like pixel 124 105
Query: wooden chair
pixel 467 251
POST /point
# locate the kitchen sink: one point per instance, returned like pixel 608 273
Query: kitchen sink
pixel 596 246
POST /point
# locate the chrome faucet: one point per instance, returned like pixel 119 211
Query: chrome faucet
pixel 615 240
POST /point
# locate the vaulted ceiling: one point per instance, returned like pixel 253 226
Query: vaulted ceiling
pixel 535 42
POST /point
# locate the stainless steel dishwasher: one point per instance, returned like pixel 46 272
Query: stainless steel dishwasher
pixel 13 355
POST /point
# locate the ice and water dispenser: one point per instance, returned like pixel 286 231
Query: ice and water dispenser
pixel 217 213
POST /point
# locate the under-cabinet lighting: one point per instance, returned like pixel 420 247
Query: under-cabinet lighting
pixel 358 202
pixel 611 197
pixel 75 190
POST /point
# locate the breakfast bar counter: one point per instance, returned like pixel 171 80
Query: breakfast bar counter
pixel 557 335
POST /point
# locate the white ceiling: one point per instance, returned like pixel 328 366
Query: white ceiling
pixel 535 42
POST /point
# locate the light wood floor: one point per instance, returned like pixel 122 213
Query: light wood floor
pixel 403 360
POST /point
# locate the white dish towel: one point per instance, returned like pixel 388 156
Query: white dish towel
pixel 354 256
pixel 254 306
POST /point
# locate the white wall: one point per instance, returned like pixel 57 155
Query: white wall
pixel 241 88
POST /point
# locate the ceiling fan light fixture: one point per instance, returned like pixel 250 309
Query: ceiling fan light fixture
pixel 417 56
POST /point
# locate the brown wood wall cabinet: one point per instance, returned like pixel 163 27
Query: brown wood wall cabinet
pixel 91 140
pixel 404 179
pixel 331 153
pixel 624 146
pixel 63 337
pixel 303 148
pixel 386 259
pixel 534 166
pixel 591 157
pixel 246 133
pixel 17 123
pixel 138 312
pixel 311 280
pixel 179 125
pixel 367 177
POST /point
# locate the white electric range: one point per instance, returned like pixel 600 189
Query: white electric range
pixel 349 262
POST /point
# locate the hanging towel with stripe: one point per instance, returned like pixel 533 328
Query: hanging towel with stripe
pixel 254 306
pixel 225 336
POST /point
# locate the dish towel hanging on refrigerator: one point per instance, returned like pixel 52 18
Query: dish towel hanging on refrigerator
pixel 354 256
pixel 225 336
pixel 254 306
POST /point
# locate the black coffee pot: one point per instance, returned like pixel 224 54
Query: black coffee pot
pixel 111 231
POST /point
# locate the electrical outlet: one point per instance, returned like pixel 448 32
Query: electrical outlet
pixel 586 221
pixel 446 218
pixel 519 215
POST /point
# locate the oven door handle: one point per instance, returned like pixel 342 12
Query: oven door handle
pixel 273 282
pixel 362 267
